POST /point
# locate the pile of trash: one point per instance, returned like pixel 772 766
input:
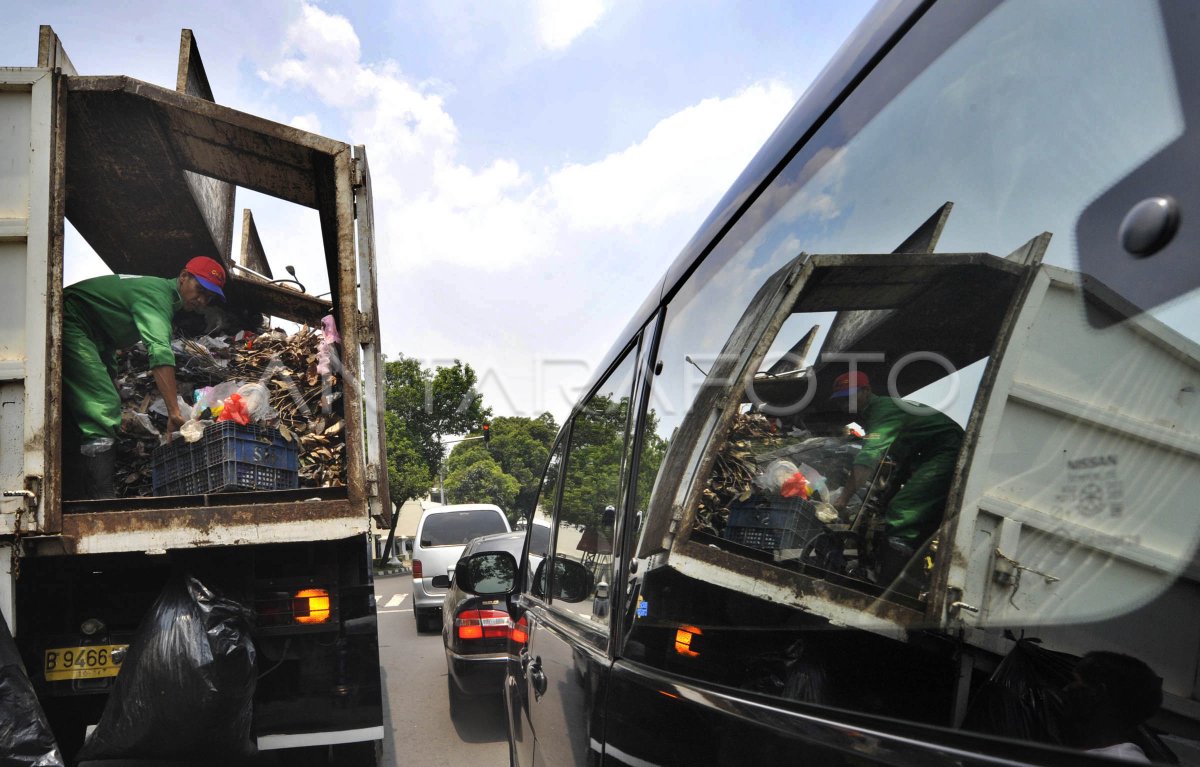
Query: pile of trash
pixel 288 382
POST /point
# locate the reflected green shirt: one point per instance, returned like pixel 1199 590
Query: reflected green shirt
pixel 118 310
pixel 908 428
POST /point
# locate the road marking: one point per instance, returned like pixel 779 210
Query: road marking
pixel 378 597
pixel 395 600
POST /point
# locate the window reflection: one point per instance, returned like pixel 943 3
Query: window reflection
pixel 592 487
pixel 1069 519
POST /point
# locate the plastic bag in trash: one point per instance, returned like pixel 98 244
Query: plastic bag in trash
pixel 25 737
pixel 186 688
pixel 773 477
pixel 192 431
pixel 160 407
pixel 234 410
pixel 1021 700
pixel 326 353
pixel 211 397
pixel 258 402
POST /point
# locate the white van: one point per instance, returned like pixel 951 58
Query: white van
pixel 442 534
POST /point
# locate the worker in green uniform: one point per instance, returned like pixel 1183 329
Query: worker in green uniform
pixel 104 314
pixel 914 435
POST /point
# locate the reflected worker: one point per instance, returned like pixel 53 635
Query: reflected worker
pixel 104 314
pixel 917 436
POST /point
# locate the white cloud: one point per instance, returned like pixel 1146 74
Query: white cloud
pixel 432 208
pixel 682 164
pixel 559 22
pixel 308 121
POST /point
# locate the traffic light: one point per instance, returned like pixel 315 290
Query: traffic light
pixel 487 433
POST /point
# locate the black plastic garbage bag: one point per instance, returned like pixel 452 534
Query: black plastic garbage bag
pixel 186 689
pixel 1021 700
pixel 25 737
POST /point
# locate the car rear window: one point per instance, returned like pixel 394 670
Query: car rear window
pixel 455 528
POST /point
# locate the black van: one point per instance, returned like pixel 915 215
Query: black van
pixel 898 464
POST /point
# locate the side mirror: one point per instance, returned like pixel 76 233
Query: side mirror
pixel 488 573
pixel 572 582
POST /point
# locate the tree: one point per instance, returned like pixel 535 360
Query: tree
pixel 520 447
pixel 423 406
pixel 408 473
pixel 482 481
pixel 593 476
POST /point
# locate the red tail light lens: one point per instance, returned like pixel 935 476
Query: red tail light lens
pixel 482 624
pixel 416 568
pixel 520 632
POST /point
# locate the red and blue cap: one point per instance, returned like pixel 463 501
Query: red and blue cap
pixel 208 273
pixel 848 382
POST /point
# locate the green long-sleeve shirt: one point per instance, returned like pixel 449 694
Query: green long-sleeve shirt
pixel 118 310
pixel 907 428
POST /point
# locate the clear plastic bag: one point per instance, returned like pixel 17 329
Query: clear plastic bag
pixel 255 397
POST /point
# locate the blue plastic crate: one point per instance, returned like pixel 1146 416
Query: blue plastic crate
pixel 228 457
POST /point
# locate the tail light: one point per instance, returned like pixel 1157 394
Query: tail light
pixel 520 632
pixel 683 641
pixel 416 568
pixel 311 606
pixel 301 605
pixel 482 624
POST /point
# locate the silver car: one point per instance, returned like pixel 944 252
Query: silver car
pixel 442 534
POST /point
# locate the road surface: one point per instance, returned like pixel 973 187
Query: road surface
pixel 418 729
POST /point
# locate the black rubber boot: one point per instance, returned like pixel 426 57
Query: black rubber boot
pixel 98 473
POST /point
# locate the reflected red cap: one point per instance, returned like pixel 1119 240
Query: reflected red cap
pixel 848 382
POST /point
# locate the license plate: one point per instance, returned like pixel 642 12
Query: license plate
pixel 92 662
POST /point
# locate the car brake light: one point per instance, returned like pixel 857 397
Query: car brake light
pixel 416 568
pixel 683 641
pixel 483 624
pixel 311 606
pixel 520 632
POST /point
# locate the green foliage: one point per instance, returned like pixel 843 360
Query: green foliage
pixel 520 447
pixel 593 473
pixel 482 481
pixel 422 406
pixel 408 474
pixel 593 476
pixel 654 448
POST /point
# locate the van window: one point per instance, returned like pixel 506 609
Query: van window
pixel 543 517
pixel 596 464
pixel 926 237
pixel 455 528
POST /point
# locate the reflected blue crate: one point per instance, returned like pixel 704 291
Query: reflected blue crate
pixel 782 524
pixel 228 457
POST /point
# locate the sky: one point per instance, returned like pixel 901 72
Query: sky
pixel 536 165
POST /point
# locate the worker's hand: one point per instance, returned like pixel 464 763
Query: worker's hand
pixel 174 421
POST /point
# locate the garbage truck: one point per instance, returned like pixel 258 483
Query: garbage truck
pixel 147 176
